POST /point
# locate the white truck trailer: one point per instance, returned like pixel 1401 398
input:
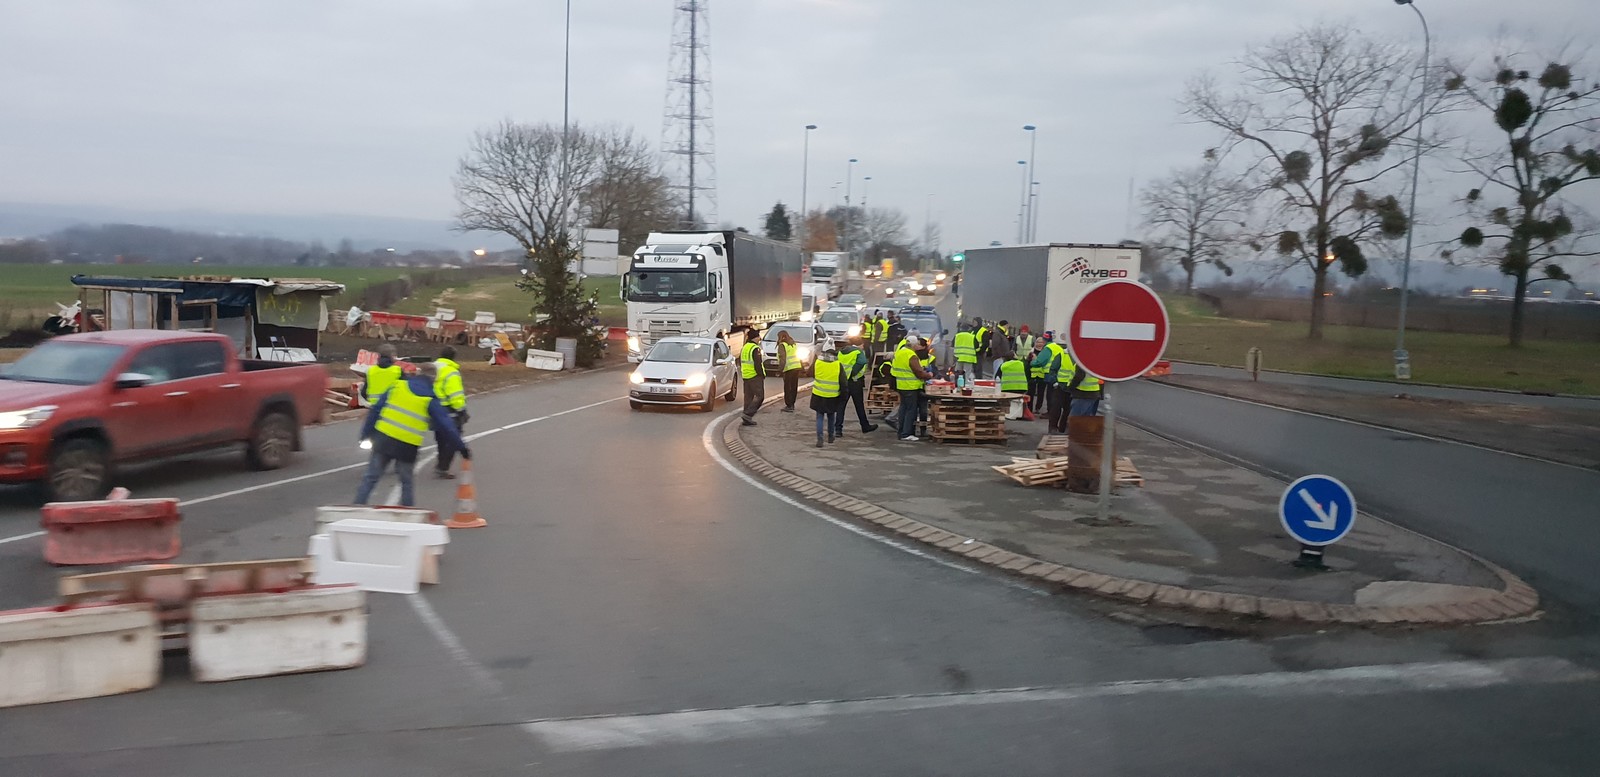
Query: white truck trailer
pixel 1038 285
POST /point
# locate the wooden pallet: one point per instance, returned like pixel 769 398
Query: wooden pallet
pixel 882 399
pixel 1051 446
pixel 1125 474
pixel 1035 472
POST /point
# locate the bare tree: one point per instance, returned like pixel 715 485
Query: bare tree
pixel 1196 214
pixel 1320 109
pixel 882 228
pixel 629 193
pixel 524 181
pixel 822 233
pixel 1547 125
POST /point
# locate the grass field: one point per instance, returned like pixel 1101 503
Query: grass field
pixel 31 289
pixel 508 303
pixel 1436 357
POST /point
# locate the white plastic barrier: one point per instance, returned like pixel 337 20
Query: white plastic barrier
pixel 430 561
pixel 545 360
pixel 377 555
pixel 261 634
pixel 79 653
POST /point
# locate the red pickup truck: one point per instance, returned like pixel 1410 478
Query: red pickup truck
pixel 75 406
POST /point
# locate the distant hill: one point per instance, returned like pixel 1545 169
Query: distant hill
pixel 19 220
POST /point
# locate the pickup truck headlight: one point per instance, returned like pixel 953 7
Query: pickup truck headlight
pixel 696 380
pixel 853 331
pixel 803 351
pixel 635 377
pixel 26 419
pixel 633 343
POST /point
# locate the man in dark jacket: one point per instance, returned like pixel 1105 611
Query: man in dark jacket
pixel 396 427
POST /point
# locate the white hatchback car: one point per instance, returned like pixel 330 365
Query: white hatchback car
pixel 685 371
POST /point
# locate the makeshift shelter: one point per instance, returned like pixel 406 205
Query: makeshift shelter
pixel 263 316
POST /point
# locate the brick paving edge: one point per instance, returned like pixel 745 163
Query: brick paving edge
pixel 1515 600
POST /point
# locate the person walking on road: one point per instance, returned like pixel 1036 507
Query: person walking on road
pixel 789 362
pixel 383 375
pixel 909 380
pixel 395 429
pixel 754 375
pixel 827 394
pixel 854 363
pixel 450 391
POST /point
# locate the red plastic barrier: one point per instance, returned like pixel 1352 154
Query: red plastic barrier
pixel 111 532
pixel 1161 368
pixel 617 333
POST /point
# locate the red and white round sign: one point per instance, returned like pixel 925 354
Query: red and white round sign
pixel 1118 330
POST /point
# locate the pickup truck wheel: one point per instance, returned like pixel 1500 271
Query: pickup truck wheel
pixel 711 400
pixel 271 442
pixel 79 470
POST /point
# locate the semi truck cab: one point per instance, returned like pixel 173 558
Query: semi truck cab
pixel 675 289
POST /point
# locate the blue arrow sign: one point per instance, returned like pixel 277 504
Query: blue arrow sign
pixel 1317 510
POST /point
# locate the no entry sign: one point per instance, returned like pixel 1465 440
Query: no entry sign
pixel 1118 330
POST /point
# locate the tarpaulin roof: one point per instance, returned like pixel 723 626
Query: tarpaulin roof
pixel 226 291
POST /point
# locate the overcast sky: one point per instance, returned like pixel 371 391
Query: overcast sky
pixel 364 106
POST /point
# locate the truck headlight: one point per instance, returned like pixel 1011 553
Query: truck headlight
pixel 696 380
pixel 635 377
pixel 853 331
pixel 633 343
pixel 26 419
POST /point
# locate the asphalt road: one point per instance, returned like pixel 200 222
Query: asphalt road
pixel 1385 388
pixel 636 607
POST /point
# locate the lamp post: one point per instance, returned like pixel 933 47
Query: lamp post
pixel 1022 207
pixel 1402 359
pixel 1033 142
pixel 866 183
pixel 844 240
pixel 805 180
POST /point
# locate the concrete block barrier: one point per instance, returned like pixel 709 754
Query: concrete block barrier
pixel 111 532
pixel 380 556
pixel 237 636
pixel 50 654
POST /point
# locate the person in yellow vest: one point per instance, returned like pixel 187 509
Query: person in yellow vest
pixel 1035 374
pixel 789 362
pixel 1014 377
pixel 453 395
pixel 382 375
pixel 753 374
pixel 965 347
pixel 1048 365
pixel 827 393
pixel 880 332
pixel 1085 391
pixel 396 427
pixel 981 343
pixel 854 362
pixel 1061 396
pixel 909 379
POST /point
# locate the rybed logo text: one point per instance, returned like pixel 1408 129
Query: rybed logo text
pixel 1086 274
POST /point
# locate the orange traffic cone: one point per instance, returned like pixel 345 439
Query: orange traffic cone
pixel 1027 413
pixel 466 516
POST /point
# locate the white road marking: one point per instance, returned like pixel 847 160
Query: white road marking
pixel 28 536
pixel 714 725
pixel 1117 330
pixel 452 644
pixel 1379 427
pixel 708 440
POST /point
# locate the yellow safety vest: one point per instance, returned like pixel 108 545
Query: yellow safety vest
pixel 825 378
pixel 966 348
pixel 791 357
pixel 404 415
pixel 447 386
pixel 880 330
pixel 1067 368
pixel 1013 376
pixel 380 380
pixel 1057 356
pixel 983 338
pixel 1090 383
pixel 850 360
pixel 900 368
pixel 1025 344
pixel 749 355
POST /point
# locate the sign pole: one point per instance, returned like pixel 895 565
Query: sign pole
pixel 1108 440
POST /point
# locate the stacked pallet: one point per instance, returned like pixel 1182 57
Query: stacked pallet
pixel 1054 472
pixel 882 399
pixel 960 422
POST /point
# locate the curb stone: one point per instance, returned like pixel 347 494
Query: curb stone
pixel 1515 599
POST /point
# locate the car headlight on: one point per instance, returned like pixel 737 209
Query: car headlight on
pixel 939 277
pixel 803 351
pixel 696 380
pixel 853 331
pixel 633 343
pixel 635 377
pixel 26 419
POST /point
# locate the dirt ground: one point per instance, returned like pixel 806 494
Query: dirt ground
pixel 339 352
pixel 1569 436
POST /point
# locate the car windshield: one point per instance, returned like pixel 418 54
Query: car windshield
pixel 850 299
pixel 680 353
pixel 836 316
pixel 667 285
pixel 801 334
pixel 75 364
pixel 921 323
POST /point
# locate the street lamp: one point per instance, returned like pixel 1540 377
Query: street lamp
pixel 844 240
pixel 805 176
pixel 1033 141
pixel 865 182
pixel 1402 359
pixel 1022 207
